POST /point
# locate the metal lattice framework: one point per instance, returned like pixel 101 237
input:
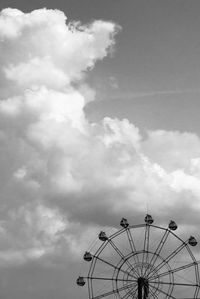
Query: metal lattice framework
pixel 143 261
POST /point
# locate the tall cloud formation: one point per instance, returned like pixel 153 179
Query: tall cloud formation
pixel 46 140
pixel 61 175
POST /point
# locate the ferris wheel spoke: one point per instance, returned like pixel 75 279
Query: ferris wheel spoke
pixel 113 266
pixel 153 294
pixel 159 248
pixel 173 271
pixel 130 293
pixel 165 293
pixel 120 253
pixel 117 290
pixel 176 283
pixel 111 279
pixel 132 244
pixel 169 257
pixel 145 248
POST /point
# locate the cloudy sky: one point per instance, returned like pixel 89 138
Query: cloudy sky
pixel 99 119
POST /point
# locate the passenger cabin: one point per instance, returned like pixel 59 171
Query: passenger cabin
pixel 192 241
pixel 102 236
pixel 80 281
pixel 87 256
pixel 124 223
pixel 172 225
pixel 148 219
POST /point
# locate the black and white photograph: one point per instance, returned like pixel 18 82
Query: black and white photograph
pixel 100 149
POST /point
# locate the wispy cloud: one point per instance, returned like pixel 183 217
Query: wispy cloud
pixel 141 94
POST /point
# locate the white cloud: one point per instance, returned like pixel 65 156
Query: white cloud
pixel 50 55
pixel 36 71
pixel 43 125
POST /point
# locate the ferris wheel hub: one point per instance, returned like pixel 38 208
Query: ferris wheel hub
pixel 142 280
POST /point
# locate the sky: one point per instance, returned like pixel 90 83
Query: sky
pixel 99 120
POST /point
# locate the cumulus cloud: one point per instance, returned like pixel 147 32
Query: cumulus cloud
pixel 59 172
pixel 44 131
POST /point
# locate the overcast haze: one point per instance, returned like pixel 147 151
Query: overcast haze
pixel 99 120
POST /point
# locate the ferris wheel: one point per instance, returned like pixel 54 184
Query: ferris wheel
pixel 143 261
